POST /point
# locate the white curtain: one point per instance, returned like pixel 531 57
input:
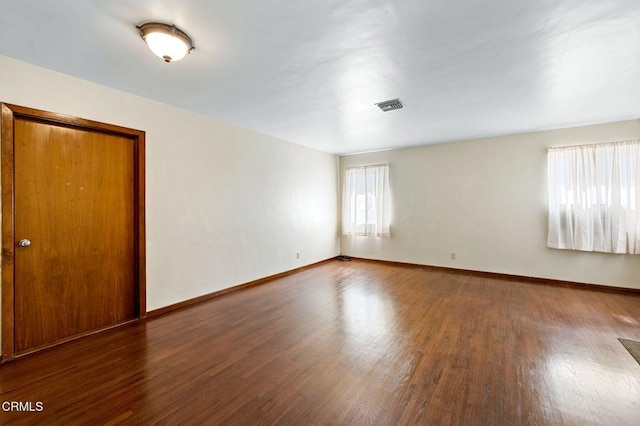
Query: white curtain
pixel 366 201
pixel 594 191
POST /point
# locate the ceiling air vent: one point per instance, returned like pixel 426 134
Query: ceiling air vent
pixel 390 105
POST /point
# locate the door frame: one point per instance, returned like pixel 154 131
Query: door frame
pixel 9 113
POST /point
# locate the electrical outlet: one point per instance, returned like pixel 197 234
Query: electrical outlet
pixel 297 255
pixel 453 256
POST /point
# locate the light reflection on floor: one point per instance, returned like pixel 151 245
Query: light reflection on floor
pixel 369 321
pixel 575 383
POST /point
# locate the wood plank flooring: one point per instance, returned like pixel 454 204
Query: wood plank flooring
pixel 351 343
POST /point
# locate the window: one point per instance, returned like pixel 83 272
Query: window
pixel 366 202
pixel 594 192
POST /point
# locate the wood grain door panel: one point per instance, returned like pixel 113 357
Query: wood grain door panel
pixel 77 198
pixel 74 202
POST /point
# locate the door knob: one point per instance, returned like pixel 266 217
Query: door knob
pixel 24 243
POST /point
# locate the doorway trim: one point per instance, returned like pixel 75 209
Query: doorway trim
pixel 9 113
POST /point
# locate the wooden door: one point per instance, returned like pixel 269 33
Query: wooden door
pixel 76 229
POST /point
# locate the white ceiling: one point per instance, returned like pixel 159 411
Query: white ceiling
pixel 310 71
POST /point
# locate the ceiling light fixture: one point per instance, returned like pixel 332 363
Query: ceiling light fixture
pixel 166 41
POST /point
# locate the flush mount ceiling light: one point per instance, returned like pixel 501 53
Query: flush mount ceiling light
pixel 166 41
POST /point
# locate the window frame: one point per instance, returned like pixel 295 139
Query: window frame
pixel 357 214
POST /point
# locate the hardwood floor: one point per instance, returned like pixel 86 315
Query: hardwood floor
pixel 351 343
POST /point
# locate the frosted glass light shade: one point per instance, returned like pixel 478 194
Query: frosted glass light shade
pixel 166 41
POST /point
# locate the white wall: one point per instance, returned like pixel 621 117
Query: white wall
pixel 225 205
pixel 486 201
